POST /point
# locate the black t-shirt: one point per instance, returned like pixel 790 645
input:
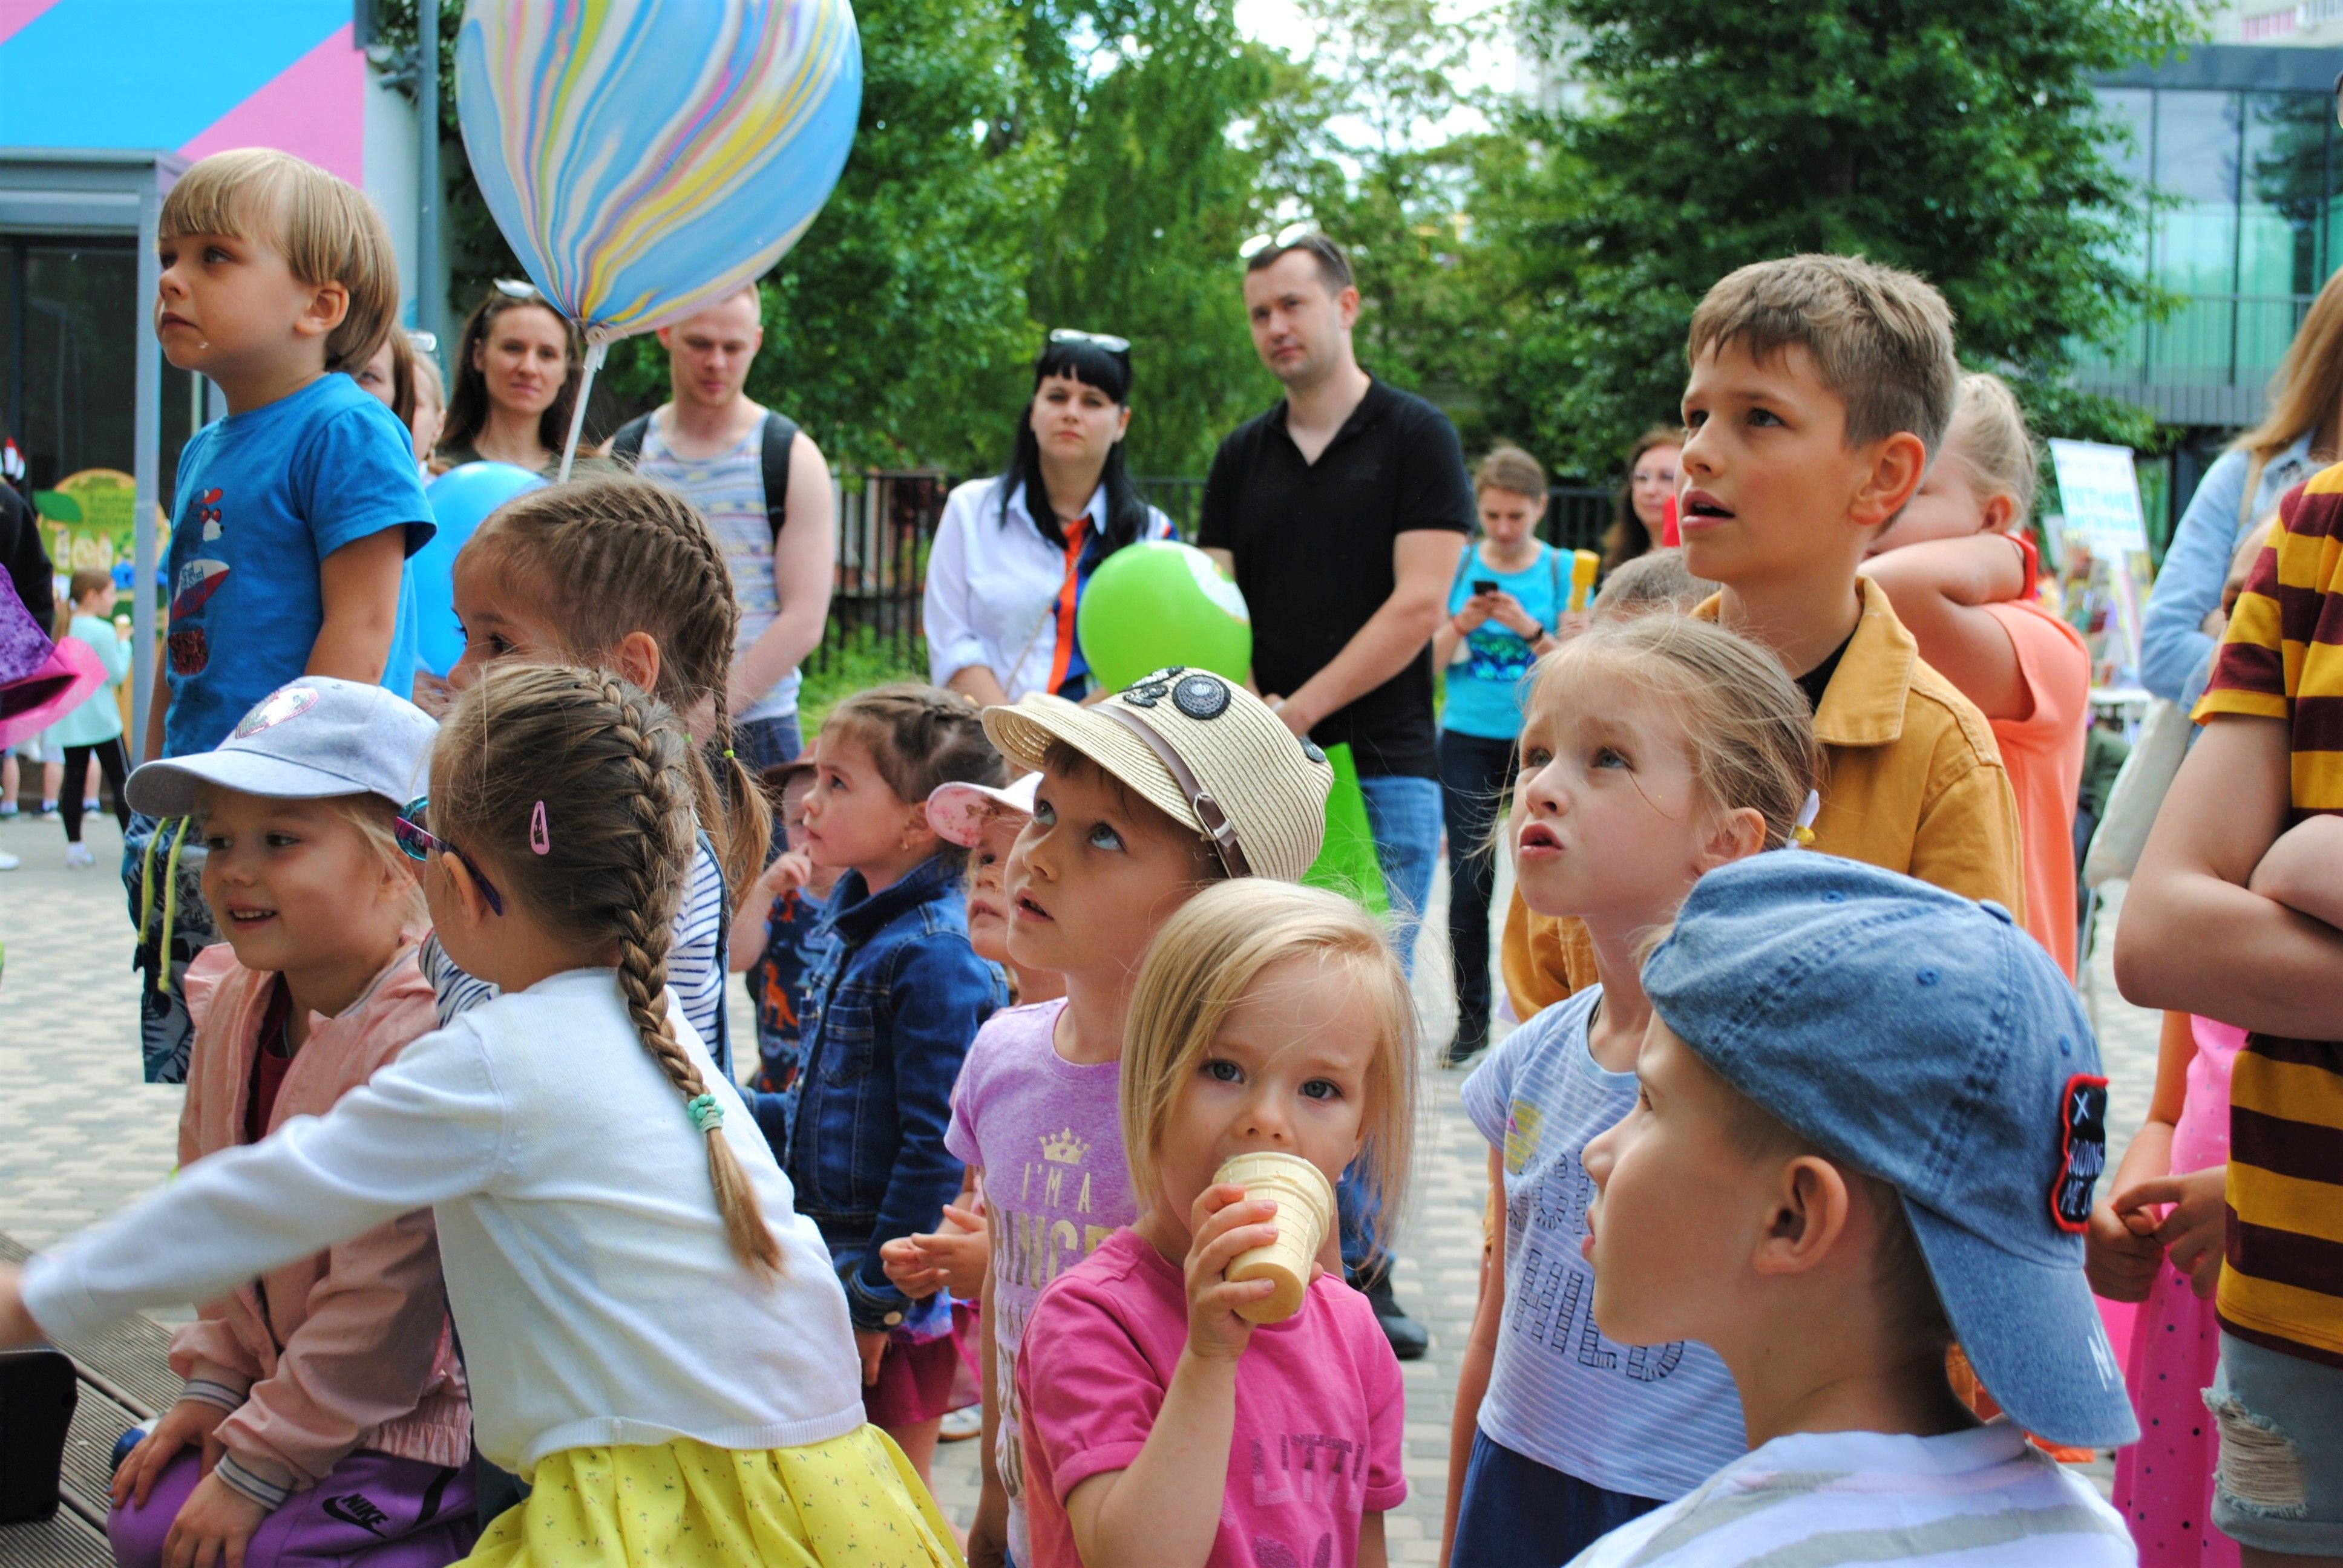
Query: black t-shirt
pixel 1313 544
pixel 1817 681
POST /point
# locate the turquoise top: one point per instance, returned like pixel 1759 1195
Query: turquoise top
pixel 1484 688
pixel 99 717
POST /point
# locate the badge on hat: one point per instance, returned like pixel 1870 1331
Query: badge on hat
pixel 2082 1151
pixel 286 702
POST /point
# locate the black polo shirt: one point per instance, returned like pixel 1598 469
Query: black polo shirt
pixel 1313 543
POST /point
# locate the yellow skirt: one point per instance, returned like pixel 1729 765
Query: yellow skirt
pixel 851 1502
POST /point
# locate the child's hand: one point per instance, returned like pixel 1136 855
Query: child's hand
pixel 191 1421
pixel 16 1324
pixel 2121 1253
pixel 871 1344
pixel 2303 870
pixel 1507 611
pixel 213 1527
pixel 1223 1224
pixel 793 869
pixel 988 1534
pixel 2194 1229
pixel 952 1257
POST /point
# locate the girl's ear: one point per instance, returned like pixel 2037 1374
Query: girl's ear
pixel 637 658
pixel 917 832
pixel 467 888
pixel 1735 836
pixel 1999 511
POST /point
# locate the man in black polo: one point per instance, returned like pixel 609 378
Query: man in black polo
pixel 1342 513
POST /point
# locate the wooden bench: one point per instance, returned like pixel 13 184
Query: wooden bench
pixel 125 1379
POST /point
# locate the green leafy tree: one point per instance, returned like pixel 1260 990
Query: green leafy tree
pixel 1958 138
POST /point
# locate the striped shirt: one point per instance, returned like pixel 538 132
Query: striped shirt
pixel 2282 1283
pixel 1847 1499
pixel 695 963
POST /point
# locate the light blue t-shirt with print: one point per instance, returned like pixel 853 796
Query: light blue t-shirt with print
pixel 1484 688
pixel 1651 1420
pixel 263 498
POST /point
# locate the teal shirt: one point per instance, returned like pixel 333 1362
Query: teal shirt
pixel 99 717
pixel 1485 686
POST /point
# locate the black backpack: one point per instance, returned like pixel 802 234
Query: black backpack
pixel 780 435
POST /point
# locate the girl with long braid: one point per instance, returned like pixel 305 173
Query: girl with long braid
pixel 618 573
pixel 653 1335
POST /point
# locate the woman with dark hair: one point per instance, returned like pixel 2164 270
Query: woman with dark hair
pixel 1643 496
pixel 1013 554
pixel 518 367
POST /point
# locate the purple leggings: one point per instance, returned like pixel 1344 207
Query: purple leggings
pixel 372 1511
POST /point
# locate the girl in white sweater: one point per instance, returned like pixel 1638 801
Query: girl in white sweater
pixel 653 1336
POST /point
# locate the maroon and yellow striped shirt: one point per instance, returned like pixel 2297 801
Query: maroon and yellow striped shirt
pixel 2283 1283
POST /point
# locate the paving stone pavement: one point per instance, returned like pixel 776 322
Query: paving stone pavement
pixel 80 1134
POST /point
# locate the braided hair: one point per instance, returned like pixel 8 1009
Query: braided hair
pixel 609 770
pixel 616 554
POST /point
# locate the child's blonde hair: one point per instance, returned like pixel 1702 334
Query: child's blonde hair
pixel 572 794
pixel 372 817
pixel 1881 339
pixel 430 386
pixel 1198 967
pixel 617 554
pixel 1654 582
pixel 1746 725
pixel 326 229
pixel 1989 440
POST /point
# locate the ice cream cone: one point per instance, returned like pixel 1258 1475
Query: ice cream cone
pixel 1305 1216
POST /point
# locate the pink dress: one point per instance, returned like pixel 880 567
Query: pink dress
pixel 2164 1483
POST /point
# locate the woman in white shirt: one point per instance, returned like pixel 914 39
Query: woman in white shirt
pixel 1014 554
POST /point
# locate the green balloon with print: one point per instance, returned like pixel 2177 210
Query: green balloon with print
pixel 1158 603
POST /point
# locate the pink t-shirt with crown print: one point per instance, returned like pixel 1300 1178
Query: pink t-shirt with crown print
pixel 1048 1136
pixel 1319 1410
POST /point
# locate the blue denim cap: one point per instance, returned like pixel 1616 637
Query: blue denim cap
pixel 308 740
pixel 1931 1043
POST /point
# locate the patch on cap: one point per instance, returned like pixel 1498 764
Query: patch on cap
pixel 2082 1151
pixel 1149 690
pixel 286 702
pixel 1201 697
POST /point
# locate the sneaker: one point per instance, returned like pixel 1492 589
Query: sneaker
pixel 1409 1339
pixel 961 1424
pixel 78 856
pixel 93 806
pixel 1469 1043
pixel 49 809
pixel 9 862
pixel 9 808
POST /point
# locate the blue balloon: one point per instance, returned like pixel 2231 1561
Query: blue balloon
pixel 460 499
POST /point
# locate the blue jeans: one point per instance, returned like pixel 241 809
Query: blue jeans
pixel 1476 773
pixel 1518 1513
pixel 1403 814
pixel 762 743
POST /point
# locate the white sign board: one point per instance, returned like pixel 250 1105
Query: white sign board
pixel 2100 490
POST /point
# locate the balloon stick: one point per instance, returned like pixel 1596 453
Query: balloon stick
pixel 594 352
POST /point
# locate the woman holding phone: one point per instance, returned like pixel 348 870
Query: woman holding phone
pixel 1509 603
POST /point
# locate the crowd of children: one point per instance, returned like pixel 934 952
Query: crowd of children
pixel 1794 1159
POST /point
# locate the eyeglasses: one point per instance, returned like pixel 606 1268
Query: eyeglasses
pixel 418 841
pixel 1280 240
pixel 1106 340
pixel 1653 476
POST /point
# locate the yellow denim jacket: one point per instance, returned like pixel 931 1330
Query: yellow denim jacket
pixel 1912 781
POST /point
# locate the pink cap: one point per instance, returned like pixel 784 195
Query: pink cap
pixel 959 813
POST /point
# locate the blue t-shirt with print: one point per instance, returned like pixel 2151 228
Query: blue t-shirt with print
pixel 1484 688
pixel 264 496
pixel 1651 1420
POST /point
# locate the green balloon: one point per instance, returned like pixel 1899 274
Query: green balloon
pixel 1162 603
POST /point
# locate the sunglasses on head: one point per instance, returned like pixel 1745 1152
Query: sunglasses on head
pixel 422 342
pixel 418 841
pixel 1278 241
pixel 1106 340
pixel 517 288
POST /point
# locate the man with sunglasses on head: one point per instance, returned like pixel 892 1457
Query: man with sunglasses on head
pixel 764 488
pixel 1342 513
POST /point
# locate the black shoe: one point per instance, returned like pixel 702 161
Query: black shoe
pixel 1471 1041
pixel 1409 1339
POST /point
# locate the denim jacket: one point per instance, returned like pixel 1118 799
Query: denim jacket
pixel 892 999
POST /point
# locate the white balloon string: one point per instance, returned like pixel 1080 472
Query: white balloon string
pixel 594 352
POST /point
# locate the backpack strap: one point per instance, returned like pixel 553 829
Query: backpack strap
pixel 627 446
pixel 780 438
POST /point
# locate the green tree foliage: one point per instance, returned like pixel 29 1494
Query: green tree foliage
pixel 1958 138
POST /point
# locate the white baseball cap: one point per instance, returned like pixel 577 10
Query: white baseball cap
pixel 308 740
pixel 960 813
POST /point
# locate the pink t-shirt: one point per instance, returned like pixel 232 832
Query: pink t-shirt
pixel 1048 1135
pixel 1319 1408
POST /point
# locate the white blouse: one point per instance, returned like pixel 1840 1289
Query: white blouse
pixel 992 590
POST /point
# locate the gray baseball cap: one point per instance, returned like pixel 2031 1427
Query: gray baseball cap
pixel 308 740
pixel 1929 1041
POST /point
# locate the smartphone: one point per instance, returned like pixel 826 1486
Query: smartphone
pixel 1484 585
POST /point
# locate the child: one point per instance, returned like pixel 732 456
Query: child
pixel 1117 843
pixel 1655 750
pixel 1162 1427
pixel 1509 603
pixel 2234 913
pixel 986 823
pixel 2164 1483
pixel 1655 582
pixel 1869 1118
pixel 772 940
pixel 94 731
pixel 332 1373
pixel 650 1330
pixel 892 998
pixel 295 513
pixel 1959 570
pixel 1820 386
pixel 622 573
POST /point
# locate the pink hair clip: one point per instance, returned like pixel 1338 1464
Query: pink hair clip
pixel 539 840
